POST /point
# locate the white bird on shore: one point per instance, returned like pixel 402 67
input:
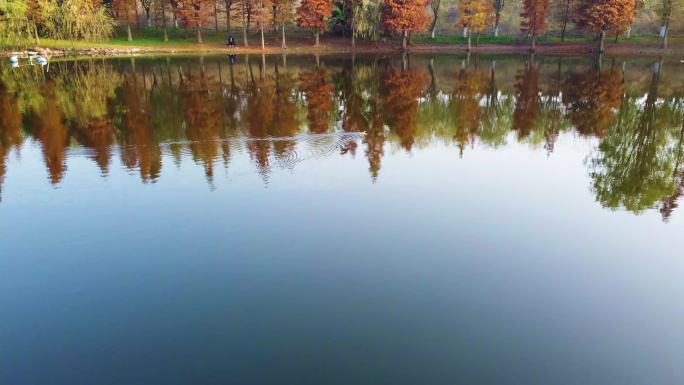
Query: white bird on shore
pixel 14 59
pixel 41 60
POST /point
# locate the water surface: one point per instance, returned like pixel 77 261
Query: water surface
pixel 339 220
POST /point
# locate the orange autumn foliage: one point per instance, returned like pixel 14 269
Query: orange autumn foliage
pixel 527 100
pixel 10 129
pixel 601 16
pixel 193 13
pixel 140 149
pixel 313 15
pixel 534 18
pixel 592 99
pixel 319 99
pixel 203 120
pixel 259 113
pixel 97 135
pixel 52 134
pixel 476 15
pixel 404 16
pixel 400 102
pixel 465 101
pixel 124 11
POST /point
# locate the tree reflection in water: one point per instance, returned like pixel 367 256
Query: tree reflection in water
pixel 276 109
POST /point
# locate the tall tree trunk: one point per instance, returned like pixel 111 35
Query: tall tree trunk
pixel 249 17
pixel 166 33
pixel 403 41
pixel 468 46
pixel 601 38
pixel 174 11
pixel 261 25
pixel 199 33
pixel 244 23
pixel 316 33
pixel 35 34
pixel 566 16
pixel 533 43
pixel 137 15
pixel 129 35
pixel 229 3
pixel 282 29
pixel 353 24
pixel 664 29
pixel 216 17
pixel 433 26
pixel 497 19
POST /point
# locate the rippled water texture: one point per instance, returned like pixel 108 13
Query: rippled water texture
pixel 342 220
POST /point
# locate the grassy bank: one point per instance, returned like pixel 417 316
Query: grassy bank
pixel 151 41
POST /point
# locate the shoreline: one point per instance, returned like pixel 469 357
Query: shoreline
pixel 343 47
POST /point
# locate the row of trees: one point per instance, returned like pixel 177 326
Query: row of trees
pixel 369 18
pixel 214 107
pixel 365 19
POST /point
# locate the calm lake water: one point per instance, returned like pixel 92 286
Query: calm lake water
pixel 367 220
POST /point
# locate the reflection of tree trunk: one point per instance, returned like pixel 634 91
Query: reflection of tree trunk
pixel 263 66
pixel 251 71
pixel 232 76
pixel 168 72
pixel 433 82
pixel 492 94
